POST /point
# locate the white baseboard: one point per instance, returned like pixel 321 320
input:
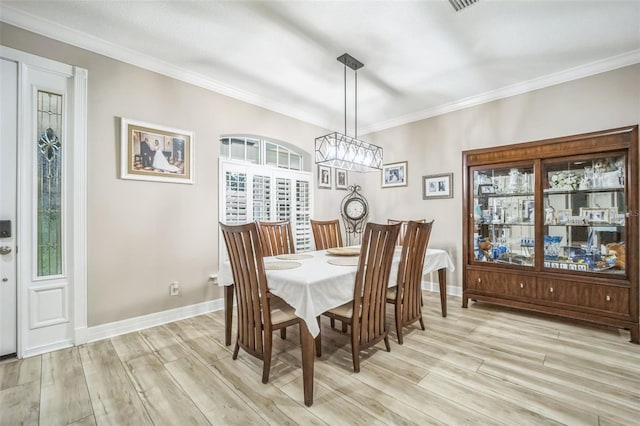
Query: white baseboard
pixel 47 348
pixel 117 328
pixel 105 331
pixel 435 287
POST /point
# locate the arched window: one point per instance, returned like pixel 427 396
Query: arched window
pixel 261 151
pixel 263 180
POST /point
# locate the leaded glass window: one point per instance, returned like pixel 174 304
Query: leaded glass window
pixel 49 153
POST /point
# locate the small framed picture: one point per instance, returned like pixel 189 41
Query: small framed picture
pixel 394 174
pixel 597 215
pixel 527 211
pixel 438 186
pixel 324 177
pixel 155 153
pixel 563 216
pixel 486 189
pixel 341 179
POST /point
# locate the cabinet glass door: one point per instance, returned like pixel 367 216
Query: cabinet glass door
pixel 584 219
pixel 503 215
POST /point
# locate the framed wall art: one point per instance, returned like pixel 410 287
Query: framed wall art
pixel 341 179
pixel 595 215
pixel 437 186
pixel 324 177
pixel 394 174
pixel 155 153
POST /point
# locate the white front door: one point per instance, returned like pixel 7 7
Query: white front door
pixel 43 193
pixel 8 145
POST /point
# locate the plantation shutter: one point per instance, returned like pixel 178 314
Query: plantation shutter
pixel 265 193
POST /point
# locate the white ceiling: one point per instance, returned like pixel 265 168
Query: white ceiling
pixel 421 57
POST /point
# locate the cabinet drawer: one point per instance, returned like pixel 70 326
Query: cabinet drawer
pixel 602 297
pixel 502 283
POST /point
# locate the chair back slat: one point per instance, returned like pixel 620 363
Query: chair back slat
pixel 250 282
pixel 326 234
pixel 276 238
pixel 403 227
pixel 372 277
pixel 409 281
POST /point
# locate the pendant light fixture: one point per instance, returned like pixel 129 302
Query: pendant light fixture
pixel 345 152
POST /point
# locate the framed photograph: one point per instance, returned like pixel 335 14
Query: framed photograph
pixel 438 186
pixel 597 215
pixel 341 179
pixel 527 211
pixel 324 177
pixel 563 216
pixel 486 189
pixel 155 153
pixel 394 174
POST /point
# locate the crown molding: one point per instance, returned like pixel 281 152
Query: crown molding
pixel 64 34
pixel 82 40
pixel 582 71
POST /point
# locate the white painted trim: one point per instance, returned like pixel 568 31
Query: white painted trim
pixel 582 71
pixel 87 41
pixel 39 350
pixel 117 328
pixel 79 128
pixel 435 287
pixel 35 303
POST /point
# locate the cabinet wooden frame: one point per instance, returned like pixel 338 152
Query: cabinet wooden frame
pixel 603 298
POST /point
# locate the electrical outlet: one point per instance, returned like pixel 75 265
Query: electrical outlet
pixel 213 278
pixel 174 289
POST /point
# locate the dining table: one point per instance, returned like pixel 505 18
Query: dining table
pixel 315 282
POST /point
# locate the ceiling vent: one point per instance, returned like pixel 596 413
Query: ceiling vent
pixel 458 5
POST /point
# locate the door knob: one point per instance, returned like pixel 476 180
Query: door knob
pixel 5 250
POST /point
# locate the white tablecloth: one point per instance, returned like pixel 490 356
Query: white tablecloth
pixel 317 286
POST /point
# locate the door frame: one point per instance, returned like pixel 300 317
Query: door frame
pixel 76 189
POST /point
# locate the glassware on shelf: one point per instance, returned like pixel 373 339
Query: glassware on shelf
pixel 515 181
pixel 552 246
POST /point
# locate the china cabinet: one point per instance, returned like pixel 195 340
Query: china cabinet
pixel 552 226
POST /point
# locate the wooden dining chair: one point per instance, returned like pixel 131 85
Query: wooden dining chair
pixel 326 234
pixel 259 313
pixel 403 227
pixel 276 238
pixel 366 312
pixel 406 295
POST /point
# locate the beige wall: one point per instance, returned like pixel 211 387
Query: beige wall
pixel 435 145
pixel 143 235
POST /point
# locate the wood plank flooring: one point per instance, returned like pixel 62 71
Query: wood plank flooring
pixel 482 365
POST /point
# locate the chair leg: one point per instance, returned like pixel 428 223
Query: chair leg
pixel 422 323
pixel 386 343
pixel 344 327
pixel 398 315
pixel 319 340
pixel 267 365
pixel 333 323
pixel 283 333
pixel 355 353
pixel 235 351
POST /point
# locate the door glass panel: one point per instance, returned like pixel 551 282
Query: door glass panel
pixel 49 153
pixel 503 216
pixel 584 221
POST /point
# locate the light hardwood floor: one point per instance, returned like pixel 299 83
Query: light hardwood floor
pixel 483 365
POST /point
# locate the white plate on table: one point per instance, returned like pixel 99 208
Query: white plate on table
pixel 344 261
pixel 294 256
pixel 344 251
pixel 276 266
